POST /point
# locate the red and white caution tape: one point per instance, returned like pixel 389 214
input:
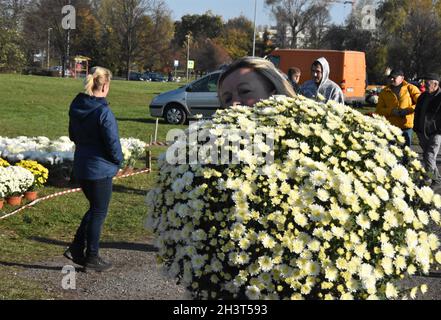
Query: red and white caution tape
pixel 30 204
pixel 158 143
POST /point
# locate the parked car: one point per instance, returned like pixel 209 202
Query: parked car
pixel 154 76
pixel 135 76
pixel 196 98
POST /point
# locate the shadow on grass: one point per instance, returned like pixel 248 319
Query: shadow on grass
pixel 123 189
pixel 119 245
pixel 142 120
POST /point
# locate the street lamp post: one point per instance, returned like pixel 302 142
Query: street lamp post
pixel 188 36
pixel 48 46
pixel 254 33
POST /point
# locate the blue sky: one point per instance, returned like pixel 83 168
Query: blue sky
pixel 233 8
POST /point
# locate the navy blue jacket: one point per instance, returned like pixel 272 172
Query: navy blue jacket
pixel 93 129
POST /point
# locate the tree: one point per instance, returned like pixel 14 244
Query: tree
pixel 295 16
pixel 237 37
pixel 12 56
pixel 127 18
pixel 209 55
pixel 419 48
pixel 315 31
pixel 411 34
pixel 86 37
pixel 155 39
pixel 200 26
pixel 44 15
pixel 236 43
pixel 41 16
pixel 12 12
pixel 265 45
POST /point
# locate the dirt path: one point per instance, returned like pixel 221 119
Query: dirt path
pixel 135 276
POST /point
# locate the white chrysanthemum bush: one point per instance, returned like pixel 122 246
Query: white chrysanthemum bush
pixel 337 215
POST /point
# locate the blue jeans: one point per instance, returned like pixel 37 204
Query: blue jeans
pixel 99 193
pixel 407 134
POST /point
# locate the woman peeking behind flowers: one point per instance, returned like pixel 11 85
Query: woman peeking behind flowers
pixel 249 80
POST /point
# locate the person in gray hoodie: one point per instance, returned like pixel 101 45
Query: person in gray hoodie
pixel 320 84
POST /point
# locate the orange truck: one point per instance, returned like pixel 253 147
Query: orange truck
pixel 348 68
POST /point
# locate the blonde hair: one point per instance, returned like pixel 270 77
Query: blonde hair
pixel 96 79
pixel 263 67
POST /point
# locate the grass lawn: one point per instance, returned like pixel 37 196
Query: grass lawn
pixel 38 106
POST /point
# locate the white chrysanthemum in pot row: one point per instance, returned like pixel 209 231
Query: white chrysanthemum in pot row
pixel 336 216
pixel 14 181
pixel 52 152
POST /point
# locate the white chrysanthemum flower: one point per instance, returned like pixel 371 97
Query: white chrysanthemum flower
pixel 318 178
pixel 304 147
pixel 380 173
pixel 387 265
pixel 197 261
pixel 422 256
pixel 312 268
pixel 437 201
pixel 382 193
pixel 438 257
pixel 363 221
pixel 317 212
pixel 347 296
pixel 435 215
pixel 391 291
pixel 413 292
pixel 322 195
pixel 400 173
pixel 265 263
pixel 331 273
pixel 268 242
pixel 426 194
pixel 388 250
pixel 423 217
pixel 252 292
pixel 353 156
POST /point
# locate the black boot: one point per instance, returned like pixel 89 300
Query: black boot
pixel 75 254
pixel 96 263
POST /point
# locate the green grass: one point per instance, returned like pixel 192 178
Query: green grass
pixel 32 106
pixel 35 106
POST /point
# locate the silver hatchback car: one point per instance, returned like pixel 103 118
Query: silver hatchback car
pixel 197 97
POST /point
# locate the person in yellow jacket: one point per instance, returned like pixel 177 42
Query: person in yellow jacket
pixel 397 102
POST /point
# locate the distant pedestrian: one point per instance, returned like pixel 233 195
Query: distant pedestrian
pixel 397 102
pixel 321 85
pixel 98 156
pixel 294 74
pixel 427 125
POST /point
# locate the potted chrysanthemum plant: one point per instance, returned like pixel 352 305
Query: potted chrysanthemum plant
pixel 338 212
pixel 40 174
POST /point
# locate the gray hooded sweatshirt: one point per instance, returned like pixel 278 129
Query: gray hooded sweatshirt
pixel 327 88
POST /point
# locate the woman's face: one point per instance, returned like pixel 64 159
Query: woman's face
pixel 244 86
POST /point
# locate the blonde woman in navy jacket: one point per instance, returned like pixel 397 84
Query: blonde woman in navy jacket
pixel 97 159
